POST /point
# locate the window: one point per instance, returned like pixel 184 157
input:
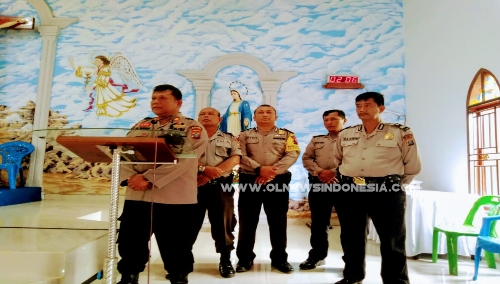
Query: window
pixel 483 105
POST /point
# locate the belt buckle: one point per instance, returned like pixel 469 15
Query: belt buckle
pixel 359 180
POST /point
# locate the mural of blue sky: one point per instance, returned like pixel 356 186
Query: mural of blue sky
pixel 19 58
pixel 314 38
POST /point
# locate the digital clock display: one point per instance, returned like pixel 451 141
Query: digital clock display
pixel 342 79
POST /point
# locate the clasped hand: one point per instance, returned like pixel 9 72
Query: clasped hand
pixel 266 174
pixel 138 182
pixel 327 176
pixel 208 174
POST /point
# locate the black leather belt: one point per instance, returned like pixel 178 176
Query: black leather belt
pixel 313 179
pixel 228 179
pixel 277 176
pixel 367 180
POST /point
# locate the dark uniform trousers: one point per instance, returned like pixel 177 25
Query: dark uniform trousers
pixel 275 204
pixel 175 246
pixel 387 211
pixel 220 206
pixel 321 204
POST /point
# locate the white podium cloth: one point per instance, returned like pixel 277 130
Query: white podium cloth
pixel 426 208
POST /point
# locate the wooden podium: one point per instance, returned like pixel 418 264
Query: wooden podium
pixel 134 150
pixel 110 146
pixel 94 148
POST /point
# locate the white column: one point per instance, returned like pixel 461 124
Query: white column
pixel 203 88
pixel 270 90
pixel 41 118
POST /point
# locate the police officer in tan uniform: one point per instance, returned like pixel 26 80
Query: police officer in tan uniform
pixel 319 162
pixel 164 193
pixel 267 154
pixel 215 191
pixel 377 159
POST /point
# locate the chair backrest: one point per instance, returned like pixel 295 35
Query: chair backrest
pixel 488 227
pixel 481 201
pixel 13 152
pixel 494 211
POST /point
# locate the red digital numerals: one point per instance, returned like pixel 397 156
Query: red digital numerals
pixel 342 79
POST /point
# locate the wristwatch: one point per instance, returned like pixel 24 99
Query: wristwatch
pixel 257 170
pixel 201 168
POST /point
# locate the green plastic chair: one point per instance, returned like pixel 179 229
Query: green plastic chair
pixel 467 229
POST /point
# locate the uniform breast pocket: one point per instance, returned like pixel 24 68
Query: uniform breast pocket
pixel 279 145
pixel 387 149
pixel 222 149
pixel 252 144
pixel 318 148
pixel 349 147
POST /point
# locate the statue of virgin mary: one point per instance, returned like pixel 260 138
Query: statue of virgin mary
pixel 238 116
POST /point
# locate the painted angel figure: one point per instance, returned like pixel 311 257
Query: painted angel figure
pixel 238 116
pixel 109 100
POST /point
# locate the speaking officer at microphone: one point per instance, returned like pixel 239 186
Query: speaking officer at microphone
pixel 318 161
pixel 267 154
pixel 161 200
pixel 381 156
pixel 215 190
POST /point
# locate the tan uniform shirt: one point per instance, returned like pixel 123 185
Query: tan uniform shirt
pixel 221 147
pixel 390 149
pixel 319 154
pixel 173 183
pixel 278 147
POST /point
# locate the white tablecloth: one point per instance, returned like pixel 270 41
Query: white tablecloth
pixel 426 208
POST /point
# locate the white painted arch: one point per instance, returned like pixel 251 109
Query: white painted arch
pixel 46 17
pixel 203 80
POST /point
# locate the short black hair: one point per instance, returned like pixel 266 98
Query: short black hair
pixel 255 111
pixel 338 111
pixel 218 112
pixel 377 97
pixel 164 87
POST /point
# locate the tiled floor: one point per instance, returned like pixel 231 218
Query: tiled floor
pixel 421 271
pixel 89 214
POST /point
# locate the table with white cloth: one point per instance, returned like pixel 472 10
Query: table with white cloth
pixel 424 209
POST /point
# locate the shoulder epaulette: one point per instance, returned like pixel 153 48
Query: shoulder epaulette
pixel 285 130
pixel 322 135
pixel 188 118
pixel 404 127
pixel 350 127
pixel 144 120
pixel 248 129
pixel 228 133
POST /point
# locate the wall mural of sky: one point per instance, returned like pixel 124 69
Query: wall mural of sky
pixel 315 38
pixel 19 58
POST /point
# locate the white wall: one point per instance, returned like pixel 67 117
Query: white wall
pixel 446 43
